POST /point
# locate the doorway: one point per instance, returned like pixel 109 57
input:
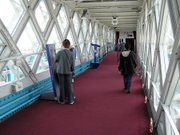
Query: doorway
pixel 117 39
pixel 131 42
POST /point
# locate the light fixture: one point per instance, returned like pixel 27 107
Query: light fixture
pixel 114 20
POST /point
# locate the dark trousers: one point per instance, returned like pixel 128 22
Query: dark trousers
pixel 65 86
pixel 127 81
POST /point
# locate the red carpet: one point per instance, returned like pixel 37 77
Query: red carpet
pixel 102 107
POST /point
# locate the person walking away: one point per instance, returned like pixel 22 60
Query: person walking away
pixel 127 66
pixel 65 67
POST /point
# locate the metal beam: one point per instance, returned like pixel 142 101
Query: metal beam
pixel 113 9
pixel 119 17
pixel 119 21
pixel 114 14
pixel 105 4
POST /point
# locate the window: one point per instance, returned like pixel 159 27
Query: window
pixel 11 11
pixel 71 39
pixel 28 42
pixel 175 106
pixel 146 34
pixel 93 39
pixel 147 45
pixel 30 60
pixel 175 103
pixel 77 61
pixel 88 42
pixel 166 42
pixel 76 22
pixel 54 39
pixel 149 63
pixel 96 31
pixel 153 41
pixel 108 35
pixel 84 27
pixel 43 65
pixel 157 5
pixel 10 73
pixel 142 41
pixel 91 54
pixel 90 28
pixel 42 15
pixel 157 76
pixel 104 31
pixel 62 20
pixel 81 41
pixel 156 86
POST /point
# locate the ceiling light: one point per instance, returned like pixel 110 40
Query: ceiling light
pixel 114 21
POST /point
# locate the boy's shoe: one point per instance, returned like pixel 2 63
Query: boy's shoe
pixel 71 103
pixel 58 100
pixel 129 92
pixel 62 103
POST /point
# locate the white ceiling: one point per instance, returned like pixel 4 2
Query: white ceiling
pixel 127 11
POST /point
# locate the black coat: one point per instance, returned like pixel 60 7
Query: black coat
pixel 127 63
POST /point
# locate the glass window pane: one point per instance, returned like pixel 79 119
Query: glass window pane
pixel 96 31
pixel 157 76
pixel 76 23
pixel 153 41
pixel 147 45
pixel 97 41
pixel 10 13
pixel 93 39
pixel 62 20
pixel 90 28
pixel 30 60
pixel 166 43
pixel 10 73
pixel 43 65
pixel 71 39
pixel 156 98
pixel 28 42
pixel 54 39
pixel 156 86
pixel 157 10
pixel 104 31
pixel 81 41
pixel 88 42
pixel 84 56
pixel 84 27
pixel 42 15
pixel 175 106
pixel 149 63
pixel 77 61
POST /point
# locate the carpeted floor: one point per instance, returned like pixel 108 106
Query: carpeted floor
pixel 102 107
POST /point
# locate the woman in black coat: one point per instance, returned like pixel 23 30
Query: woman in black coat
pixel 127 66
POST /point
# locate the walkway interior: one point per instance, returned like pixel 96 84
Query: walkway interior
pixel 102 107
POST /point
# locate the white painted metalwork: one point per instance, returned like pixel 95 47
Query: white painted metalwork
pixel 162 76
